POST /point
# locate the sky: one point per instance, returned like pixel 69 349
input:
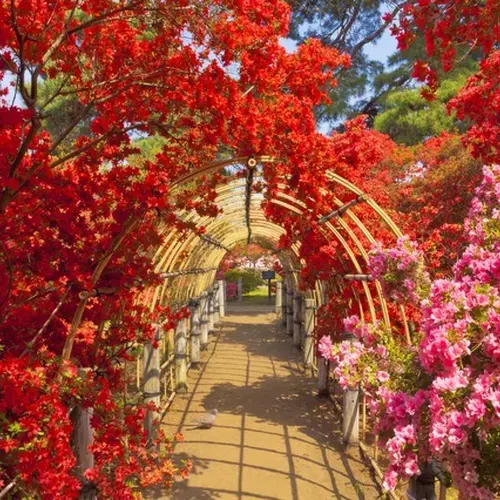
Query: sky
pixel 383 48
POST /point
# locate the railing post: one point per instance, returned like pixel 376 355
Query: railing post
pixel 240 289
pixel 350 411
pixel 423 487
pixel 187 323
pixel 180 356
pixel 289 310
pixel 195 306
pixel 297 319
pixel 210 309
pixel 323 377
pixel 279 298
pixel 309 322
pixel 442 491
pixel 283 304
pixel 152 392
pixel 82 437
pixel 216 306
pixel 222 298
pixel 204 322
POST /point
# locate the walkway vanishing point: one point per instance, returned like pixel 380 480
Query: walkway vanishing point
pixel 273 439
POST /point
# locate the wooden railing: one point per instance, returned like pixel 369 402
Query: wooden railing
pixel 164 370
pixel 160 372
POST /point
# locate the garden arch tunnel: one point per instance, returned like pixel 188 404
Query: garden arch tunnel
pixel 189 263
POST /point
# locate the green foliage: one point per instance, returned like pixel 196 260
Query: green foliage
pixel 148 147
pixel 251 278
pixel 409 118
pixel 65 117
pixel 352 25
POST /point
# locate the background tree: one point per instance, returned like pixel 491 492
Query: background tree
pixel 349 26
pixel 408 118
pixel 365 87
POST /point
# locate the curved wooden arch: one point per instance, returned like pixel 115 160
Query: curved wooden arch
pixel 180 252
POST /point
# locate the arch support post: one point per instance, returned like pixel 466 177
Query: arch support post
pixel 204 321
pixel 195 307
pixel 289 310
pixel 216 304
pixel 211 310
pixel 297 319
pixel 323 377
pixel 152 392
pixel 180 356
pixel 309 323
pixel 283 303
pixel 222 298
pixel 350 412
pixel 240 289
pixel 279 298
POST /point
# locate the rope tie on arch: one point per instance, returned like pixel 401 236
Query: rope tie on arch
pixel 339 212
pixel 251 165
pixel 346 277
pixel 187 272
pixel 210 239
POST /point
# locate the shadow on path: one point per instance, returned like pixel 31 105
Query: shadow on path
pixel 273 439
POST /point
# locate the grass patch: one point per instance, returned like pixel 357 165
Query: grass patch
pixel 261 291
pixel 258 296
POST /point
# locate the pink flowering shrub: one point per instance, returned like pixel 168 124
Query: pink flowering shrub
pixel 231 290
pixel 400 270
pixel 438 398
pixel 460 349
pixel 387 370
pixel 370 358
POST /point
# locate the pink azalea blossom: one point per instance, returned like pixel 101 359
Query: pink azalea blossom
pixel 350 323
pixel 382 376
pixel 449 405
pixel 325 347
pixel 411 467
pixel 390 480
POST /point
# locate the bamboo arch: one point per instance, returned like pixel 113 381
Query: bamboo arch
pixel 189 263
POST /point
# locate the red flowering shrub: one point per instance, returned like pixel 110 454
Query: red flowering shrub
pixel 82 212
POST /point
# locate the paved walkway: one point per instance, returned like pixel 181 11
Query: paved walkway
pixel 273 439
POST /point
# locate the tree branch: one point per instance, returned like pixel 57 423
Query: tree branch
pixel 57 93
pixel 59 40
pixel 86 110
pixel 8 488
pixel 77 317
pixel 46 324
pixel 377 32
pixel 9 268
pixel 343 34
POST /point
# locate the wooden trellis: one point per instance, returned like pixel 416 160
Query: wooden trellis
pixel 188 264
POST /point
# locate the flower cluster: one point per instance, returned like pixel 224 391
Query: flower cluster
pixel 381 364
pixel 400 270
pixel 438 398
pixel 368 358
pixel 460 350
